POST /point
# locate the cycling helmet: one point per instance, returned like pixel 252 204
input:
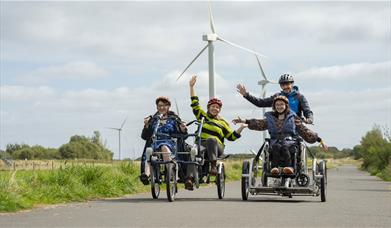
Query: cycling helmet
pixel 286 78
pixel 215 101
pixel 164 100
pixel 281 98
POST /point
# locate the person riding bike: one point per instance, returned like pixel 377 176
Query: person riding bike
pixel 297 102
pixel 169 123
pixel 214 130
pixel 283 126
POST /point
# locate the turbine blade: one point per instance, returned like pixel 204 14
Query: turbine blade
pixel 211 20
pixel 203 49
pixel 123 123
pixel 263 82
pixel 113 128
pixel 240 47
pixel 260 67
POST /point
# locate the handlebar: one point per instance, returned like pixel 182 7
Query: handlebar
pixel 197 134
pixel 191 122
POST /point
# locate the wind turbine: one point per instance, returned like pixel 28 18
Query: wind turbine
pixel 119 136
pixel 210 38
pixel 263 82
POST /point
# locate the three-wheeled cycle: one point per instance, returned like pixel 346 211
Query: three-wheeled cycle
pixel 184 157
pixel 301 182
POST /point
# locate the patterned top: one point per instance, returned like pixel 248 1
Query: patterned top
pixel 216 128
pixel 167 126
pixel 261 125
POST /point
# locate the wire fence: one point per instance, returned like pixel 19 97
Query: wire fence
pixel 14 165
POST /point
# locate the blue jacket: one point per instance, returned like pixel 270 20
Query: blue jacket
pixel 288 128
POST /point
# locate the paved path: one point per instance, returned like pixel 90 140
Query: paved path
pixel 354 199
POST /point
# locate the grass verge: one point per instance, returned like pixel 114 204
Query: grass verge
pixel 26 189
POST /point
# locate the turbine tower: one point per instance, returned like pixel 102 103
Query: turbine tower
pixel 119 136
pixel 263 82
pixel 211 38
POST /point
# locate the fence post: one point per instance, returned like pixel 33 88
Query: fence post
pixel 33 166
pixel 52 165
pixel 14 166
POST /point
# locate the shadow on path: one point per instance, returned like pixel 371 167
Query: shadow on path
pixel 277 199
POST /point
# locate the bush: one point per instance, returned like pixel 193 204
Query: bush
pixel 333 152
pixel 83 147
pixel 78 147
pixel 35 152
pixel 4 155
pixel 375 149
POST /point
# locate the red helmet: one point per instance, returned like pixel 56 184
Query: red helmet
pixel 215 101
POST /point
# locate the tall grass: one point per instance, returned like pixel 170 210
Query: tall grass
pixel 26 189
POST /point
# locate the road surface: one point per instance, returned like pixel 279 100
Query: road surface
pixel 354 199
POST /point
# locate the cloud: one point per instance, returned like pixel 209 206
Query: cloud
pixel 16 93
pixel 73 71
pixel 169 81
pixel 148 29
pixel 377 72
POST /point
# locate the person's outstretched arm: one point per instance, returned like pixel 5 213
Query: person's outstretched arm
pixel 308 135
pixel 252 124
pixel 230 134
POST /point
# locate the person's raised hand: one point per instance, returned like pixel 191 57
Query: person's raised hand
pixel 183 127
pixel 146 120
pixel 241 89
pixel 193 80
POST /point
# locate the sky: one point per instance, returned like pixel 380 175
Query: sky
pixel 70 68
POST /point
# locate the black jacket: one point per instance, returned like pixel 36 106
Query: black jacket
pixel 147 131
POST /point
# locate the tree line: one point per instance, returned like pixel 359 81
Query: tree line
pixel 80 147
pixel 375 151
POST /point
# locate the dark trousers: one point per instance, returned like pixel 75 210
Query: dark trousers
pixel 213 148
pixel 282 155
